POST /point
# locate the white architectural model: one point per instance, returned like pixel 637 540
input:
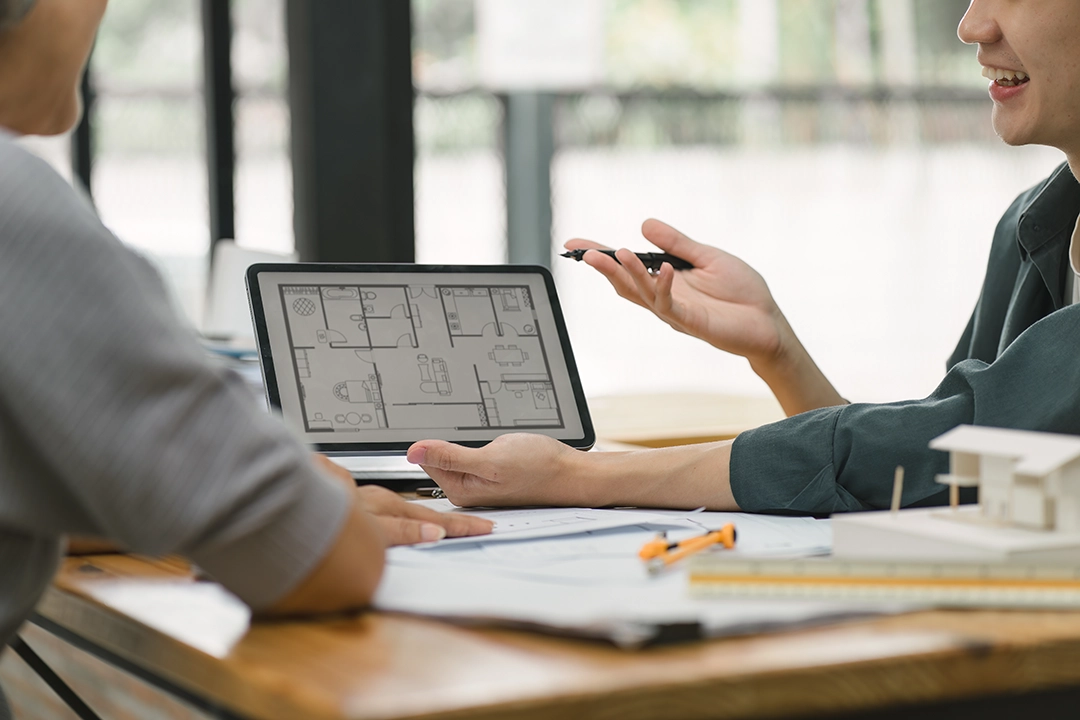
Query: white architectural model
pixel 1027 479
pixel 1028 510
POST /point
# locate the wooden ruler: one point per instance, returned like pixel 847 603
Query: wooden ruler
pixel 938 584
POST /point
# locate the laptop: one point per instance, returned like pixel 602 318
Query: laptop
pixel 362 360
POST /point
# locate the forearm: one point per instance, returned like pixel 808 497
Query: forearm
pixel 685 477
pixel 794 378
pixel 347 575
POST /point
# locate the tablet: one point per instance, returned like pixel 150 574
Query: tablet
pixel 371 358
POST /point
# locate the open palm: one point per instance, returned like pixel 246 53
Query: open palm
pixel 723 301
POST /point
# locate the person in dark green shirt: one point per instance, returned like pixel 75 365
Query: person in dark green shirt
pixel 1017 364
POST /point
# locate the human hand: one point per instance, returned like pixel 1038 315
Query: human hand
pixel 722 301
pixel 404 523
pixel 515 469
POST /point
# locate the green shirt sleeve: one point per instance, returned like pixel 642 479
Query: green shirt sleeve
pixel 843 458
pixel 1015 366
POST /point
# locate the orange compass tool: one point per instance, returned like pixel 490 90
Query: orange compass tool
pixel 659 553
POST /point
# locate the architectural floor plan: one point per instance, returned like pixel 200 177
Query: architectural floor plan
pixel 419 356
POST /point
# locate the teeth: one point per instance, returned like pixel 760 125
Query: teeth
pixel 997 74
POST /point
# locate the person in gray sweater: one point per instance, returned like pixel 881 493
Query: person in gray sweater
pixel 114 424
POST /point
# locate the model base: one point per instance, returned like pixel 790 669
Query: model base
pixel 946 534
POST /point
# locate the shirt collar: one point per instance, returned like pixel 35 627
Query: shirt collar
pixel 1046 227
pixel 1051 213
pixel 1074 249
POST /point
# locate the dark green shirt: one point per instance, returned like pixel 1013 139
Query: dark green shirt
pixel 1017 366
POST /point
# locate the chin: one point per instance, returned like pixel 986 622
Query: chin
pixel 1012 141
pixel 1009 133
pixel 63 120
pixel 57 120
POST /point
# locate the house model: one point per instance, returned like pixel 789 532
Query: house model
pixel 1027 479
pixel 1028 510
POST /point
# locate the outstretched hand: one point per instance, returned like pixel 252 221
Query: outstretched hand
pixel 722 301
pixel 405 523
pixel 515 469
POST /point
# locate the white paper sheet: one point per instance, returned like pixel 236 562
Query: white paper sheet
pixel 532 523
pixel 203 615
pixel 593 583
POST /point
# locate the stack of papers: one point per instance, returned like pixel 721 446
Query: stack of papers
pixel 576 571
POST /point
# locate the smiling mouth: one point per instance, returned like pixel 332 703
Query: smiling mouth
pixel 1005 78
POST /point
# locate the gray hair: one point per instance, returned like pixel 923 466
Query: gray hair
pixel 12 11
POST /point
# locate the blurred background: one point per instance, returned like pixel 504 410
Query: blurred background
pixel 841 147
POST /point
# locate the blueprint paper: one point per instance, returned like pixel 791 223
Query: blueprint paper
pixel 203 615
pixel 533 523
pixel 628 613
pixel 593 583
pixel 602 556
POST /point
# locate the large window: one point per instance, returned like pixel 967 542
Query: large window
pixel 842 147
pixel 150 179
pixel 458 142
pixel 149 174
pixel 263 170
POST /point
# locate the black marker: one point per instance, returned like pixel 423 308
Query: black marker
pixel 652 261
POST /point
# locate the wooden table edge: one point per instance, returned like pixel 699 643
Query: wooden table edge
pixel 152 655
pixel 929 676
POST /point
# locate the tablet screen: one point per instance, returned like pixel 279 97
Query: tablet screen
pixel 375 357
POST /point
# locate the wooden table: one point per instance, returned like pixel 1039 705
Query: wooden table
pixel 389 667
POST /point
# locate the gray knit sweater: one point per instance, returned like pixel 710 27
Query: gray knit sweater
pixel 114 424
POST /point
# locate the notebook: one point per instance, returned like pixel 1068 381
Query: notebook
pixel 361 361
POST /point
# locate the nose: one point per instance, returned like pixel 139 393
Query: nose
pixel 978 24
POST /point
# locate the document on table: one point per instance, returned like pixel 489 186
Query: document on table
pixel 203 615
pixel 532 523
pixel 592 583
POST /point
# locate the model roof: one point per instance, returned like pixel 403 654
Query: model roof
pixel 1036 453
